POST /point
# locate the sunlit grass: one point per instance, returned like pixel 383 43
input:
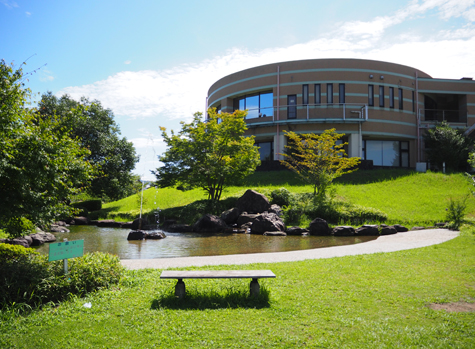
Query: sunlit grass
pixel 366 301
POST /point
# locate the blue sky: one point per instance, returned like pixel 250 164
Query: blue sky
pixel 152 62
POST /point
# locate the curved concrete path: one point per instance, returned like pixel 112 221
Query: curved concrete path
pixel 387 243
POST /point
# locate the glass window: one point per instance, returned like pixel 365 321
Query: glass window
pixel 370 95
pixel 381 96
pixel 318 94
pixel 341 93
pixel 305 94
pixel 401 101
pixel 266 104
pixel 291 106
pixel 329 93
pixel 266 150
pixel 413 102
pixel 260 104
pixel 391 97
pixel 387 153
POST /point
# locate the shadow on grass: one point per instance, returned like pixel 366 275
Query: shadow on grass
pixel 213 300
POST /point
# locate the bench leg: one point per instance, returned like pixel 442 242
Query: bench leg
pixel 255 288
pixel 180 290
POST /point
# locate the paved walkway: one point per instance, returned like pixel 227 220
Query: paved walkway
pixel 387 243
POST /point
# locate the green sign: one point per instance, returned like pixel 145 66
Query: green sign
pixel 65 250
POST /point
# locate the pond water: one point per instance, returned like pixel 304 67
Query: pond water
pixel 114 240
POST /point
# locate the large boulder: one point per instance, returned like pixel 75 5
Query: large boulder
pixel 276 209
pixel 155 235
pixel 387 230
pixel 253 202
pixel 344 230
pixel 22 241
pixel 246 218
pixel 368 230
pixel 230 216
pixel 209 224
pixel 58 229
pixel 296 231
pixel 319 227
pixel 40 238
pixel 267 222
pixel 136 235
pixel 400 228
pixel 80 221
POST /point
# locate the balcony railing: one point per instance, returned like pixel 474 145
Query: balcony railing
pixel 311 112
pixel 457 116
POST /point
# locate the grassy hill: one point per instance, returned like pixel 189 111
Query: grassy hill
pixel 405 196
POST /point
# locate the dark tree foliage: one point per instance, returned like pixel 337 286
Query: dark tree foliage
pixel 97 131
pixel 40 168
pixel 445 144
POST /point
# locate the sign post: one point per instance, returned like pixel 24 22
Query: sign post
pixel 65 250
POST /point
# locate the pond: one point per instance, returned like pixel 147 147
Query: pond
pixel 114 240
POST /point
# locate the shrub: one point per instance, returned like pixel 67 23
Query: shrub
pixel 18 226
pixel 456 212
pixel 33 280
pixel 14 252
pixel 281 197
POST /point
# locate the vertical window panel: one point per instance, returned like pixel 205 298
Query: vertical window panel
pixel 370 95
pixel 401 100
pixel 318 94
pixel 304 94
pixel 391 97
pixel 341 93
pixel 329 93
pixel 381 96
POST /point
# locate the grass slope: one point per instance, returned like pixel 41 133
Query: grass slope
pixel 407 197
pixel 367 301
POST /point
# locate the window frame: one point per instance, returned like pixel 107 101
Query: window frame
pixel 330 93
pixel 371 95
pixel 341 96
pixel 381 96
pixel 391 97
pixel 305 94
pixel 318 93
pixel 400 99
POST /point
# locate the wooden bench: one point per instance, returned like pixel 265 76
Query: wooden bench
pixel 217 274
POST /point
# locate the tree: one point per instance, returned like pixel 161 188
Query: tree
pixel 40 168
pixel 445 144
pixel 318 159
pixel 97 131
pixel 208 154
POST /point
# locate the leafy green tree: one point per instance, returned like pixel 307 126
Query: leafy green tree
pixel 208 154
pixel 445 144
pixel 40 168
pixel 318 159
pixel 97 131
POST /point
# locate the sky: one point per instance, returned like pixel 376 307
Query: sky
pixel 152 62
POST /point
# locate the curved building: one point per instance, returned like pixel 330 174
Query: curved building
pixel 382 108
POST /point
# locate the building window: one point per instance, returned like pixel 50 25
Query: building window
pixel 318 94
pixel 401 101
pixel 291 106
pixel 341 93
pixel 329 93
pixel 391 97
pixel 304 94
pixel 258 105
pixel 370 95
pixel 381 96
pixel 413 102
pixel 387 153
pixel 266 150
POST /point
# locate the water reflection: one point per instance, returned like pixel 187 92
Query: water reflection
pixel 114 240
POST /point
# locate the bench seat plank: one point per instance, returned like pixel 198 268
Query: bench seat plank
pixel 216 274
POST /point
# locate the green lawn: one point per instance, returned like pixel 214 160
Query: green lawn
pixel 405 196
pixel 368 301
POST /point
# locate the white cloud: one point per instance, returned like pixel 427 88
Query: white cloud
pixel 143 142
pixel 9 4
pixel 28 14
pixel 127 62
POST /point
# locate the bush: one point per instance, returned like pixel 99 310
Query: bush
pixel 281 197
pixel 15 252
pixel 305 206
pixel 18 226
pixel 33 280
pixel 456 212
